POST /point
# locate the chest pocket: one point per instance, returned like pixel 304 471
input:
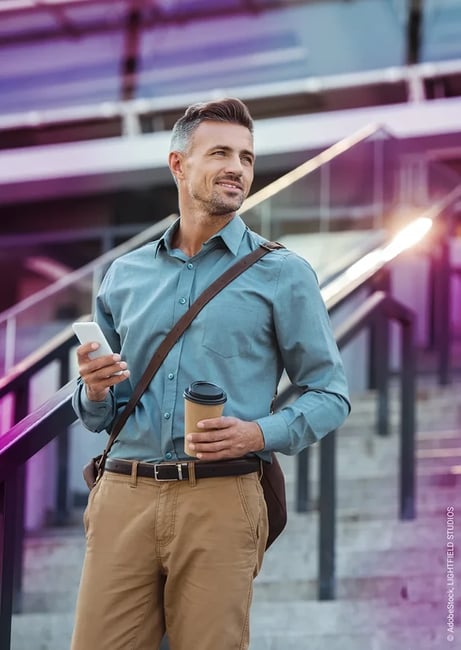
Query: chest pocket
pixel 230 330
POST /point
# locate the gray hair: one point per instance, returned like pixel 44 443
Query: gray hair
pixel 230 109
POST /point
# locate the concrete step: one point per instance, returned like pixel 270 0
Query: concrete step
pixel 297 558
pixel 352 505
pixel 51 631
pixel 349 625
pixel 390 590
pixel 307 625
pixel 373 449
pixel 371 534
pixel 44 559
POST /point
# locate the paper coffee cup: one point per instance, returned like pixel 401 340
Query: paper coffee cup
pixel 202 400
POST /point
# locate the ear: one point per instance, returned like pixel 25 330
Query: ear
pixel 175 163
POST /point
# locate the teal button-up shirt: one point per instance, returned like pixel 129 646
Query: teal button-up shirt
pixel 271 318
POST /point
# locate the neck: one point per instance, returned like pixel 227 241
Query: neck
pixel 192 233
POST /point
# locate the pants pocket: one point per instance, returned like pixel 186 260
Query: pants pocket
pixel 87 511
pixel 254 507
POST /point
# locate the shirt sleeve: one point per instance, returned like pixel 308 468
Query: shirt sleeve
pixel 311 359
pixel 97 416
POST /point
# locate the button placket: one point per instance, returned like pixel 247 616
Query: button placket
pixel 171 391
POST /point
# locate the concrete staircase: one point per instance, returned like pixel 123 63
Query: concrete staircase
pixel 391 575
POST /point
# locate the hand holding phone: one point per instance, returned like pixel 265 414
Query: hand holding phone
pixel 90 332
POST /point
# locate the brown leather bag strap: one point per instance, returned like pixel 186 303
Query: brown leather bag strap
pixel 179 328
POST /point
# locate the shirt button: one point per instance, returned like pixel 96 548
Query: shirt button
pixel 182 301
pixel 168 455
pixel 167 415
pixel 190 265
pixel 171 375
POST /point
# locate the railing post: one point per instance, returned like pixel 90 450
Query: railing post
pixel 8 549
pixel 62 506
pixel 379 358
pixel 442 311
pixel 21 407
pixel 302 481
pixel 378 181
pixel 17 532
pixel 327 518
pixel 325 198
pixel 10 343
pixel 266 220
pixel 407 422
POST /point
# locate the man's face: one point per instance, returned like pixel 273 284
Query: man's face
pixel 218 167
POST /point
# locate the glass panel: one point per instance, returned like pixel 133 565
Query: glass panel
pixel 349 190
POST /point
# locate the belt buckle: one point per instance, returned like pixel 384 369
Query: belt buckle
pixel 178 467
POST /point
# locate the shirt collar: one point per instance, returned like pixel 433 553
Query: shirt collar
pixel 165 240
pixel 231 235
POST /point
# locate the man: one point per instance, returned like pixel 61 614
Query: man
pixel 181 555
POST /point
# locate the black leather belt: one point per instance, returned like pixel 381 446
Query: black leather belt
pixel 180 471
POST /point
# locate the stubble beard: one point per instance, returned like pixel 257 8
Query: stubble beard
pixel 218 206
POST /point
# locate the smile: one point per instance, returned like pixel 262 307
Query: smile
pixel 231 186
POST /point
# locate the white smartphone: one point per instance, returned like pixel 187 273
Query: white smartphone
pixel 89 332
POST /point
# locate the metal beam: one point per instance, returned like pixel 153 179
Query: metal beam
pixel 352 81
pixel 131 54
pixel 153 15
pixel 414 27
pixel 85 168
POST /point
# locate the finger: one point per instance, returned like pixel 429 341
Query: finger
pixel 207 456
pixel 210 446
pixel 84 350
pixel 222 422
pixel 219 454
pixel 100 380
pixel 105 379
pixel 216 448
pixel 208 436
pixel 109 364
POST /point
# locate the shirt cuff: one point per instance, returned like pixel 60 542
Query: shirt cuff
pixel 275 432
pixel 92 408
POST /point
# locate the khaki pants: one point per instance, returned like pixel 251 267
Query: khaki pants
pixel 176 556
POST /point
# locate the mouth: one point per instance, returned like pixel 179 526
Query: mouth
pixel 231 185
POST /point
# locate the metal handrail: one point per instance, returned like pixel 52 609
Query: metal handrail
pixel 354 277
pixel 378 305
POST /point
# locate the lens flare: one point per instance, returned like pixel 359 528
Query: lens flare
pixel 407 237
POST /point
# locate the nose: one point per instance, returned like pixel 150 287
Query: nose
pixel 234 165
